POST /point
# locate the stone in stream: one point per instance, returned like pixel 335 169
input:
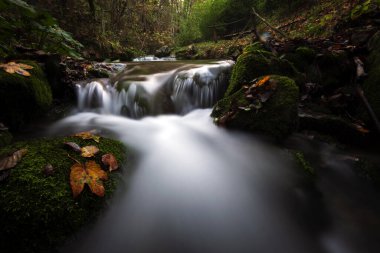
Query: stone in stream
pixel 277 116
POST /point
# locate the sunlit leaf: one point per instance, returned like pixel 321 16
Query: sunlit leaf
pixel 110 161
pixel 89 151
pixel 19 68
pixel 262 81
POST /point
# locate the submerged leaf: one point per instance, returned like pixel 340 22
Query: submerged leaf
pixel 12 160
pixel 110 161
pixel 89 151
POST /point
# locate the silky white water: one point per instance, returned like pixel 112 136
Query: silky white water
pixel 195 187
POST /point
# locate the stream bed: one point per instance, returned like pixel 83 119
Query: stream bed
pixel 198 188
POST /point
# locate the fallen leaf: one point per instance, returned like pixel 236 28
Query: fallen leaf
pixel 90 174
pixel 262 81
pixel 110 160
pixel 19 68
pixel 74 146
pixel 88 135
pixel 12 160
pixel 89 151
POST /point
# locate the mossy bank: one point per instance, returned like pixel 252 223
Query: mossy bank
pixel 38 212
pixel 22 97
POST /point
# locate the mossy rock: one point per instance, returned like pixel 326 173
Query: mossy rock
pixel 38 212
pixel 371 85
pixel 277 117
pixel 301 58
pixel 22 98
pixel 255 62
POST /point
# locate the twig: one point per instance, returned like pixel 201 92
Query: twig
pixel 360 73
pixel 269 25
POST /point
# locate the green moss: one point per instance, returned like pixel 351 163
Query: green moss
pixel 303 164
pixel 38 212
pixel 255 62
pixel 21 98
pixel 307 53
pixel 277 117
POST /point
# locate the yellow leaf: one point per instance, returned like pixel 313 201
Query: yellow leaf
pixel 88 135
pixel 19 68
pixel 89 151
pixel 78 178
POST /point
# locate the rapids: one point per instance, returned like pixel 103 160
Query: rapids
pixel 199 188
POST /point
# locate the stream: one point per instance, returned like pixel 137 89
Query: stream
pixel 195 187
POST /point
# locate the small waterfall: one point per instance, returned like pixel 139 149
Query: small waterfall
pixel 184 88
pixel 199 87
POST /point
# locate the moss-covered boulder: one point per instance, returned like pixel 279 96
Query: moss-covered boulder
pixel 21 97
pixel 276 117
pixel 301 57
pixel 255 61
pixel 371 85
pixel 38 211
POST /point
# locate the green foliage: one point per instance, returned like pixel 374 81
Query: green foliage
pixel 362 8
pixel 38 212
pixel 22 24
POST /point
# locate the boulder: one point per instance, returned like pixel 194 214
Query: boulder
pixel 163 52
pixel 23 97
pixel 255 61
pixel 37 209
pixel 274 116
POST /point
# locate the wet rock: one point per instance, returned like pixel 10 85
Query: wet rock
pixel 163 52
pixel 342 129
pixel 276 117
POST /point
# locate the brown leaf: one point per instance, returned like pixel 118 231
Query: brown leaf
pixel 90 174
pixel 89 151
pixel 74 146
pixel 88 135
pixel 19 68
pixel 110 160
pixel 12 160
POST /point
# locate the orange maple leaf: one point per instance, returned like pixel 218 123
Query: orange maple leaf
pixel 262 81
pixel 19 68
pixel 90 174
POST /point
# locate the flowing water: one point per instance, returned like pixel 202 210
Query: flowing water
pixel 198 188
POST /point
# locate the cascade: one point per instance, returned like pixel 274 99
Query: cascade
pixel 183 88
